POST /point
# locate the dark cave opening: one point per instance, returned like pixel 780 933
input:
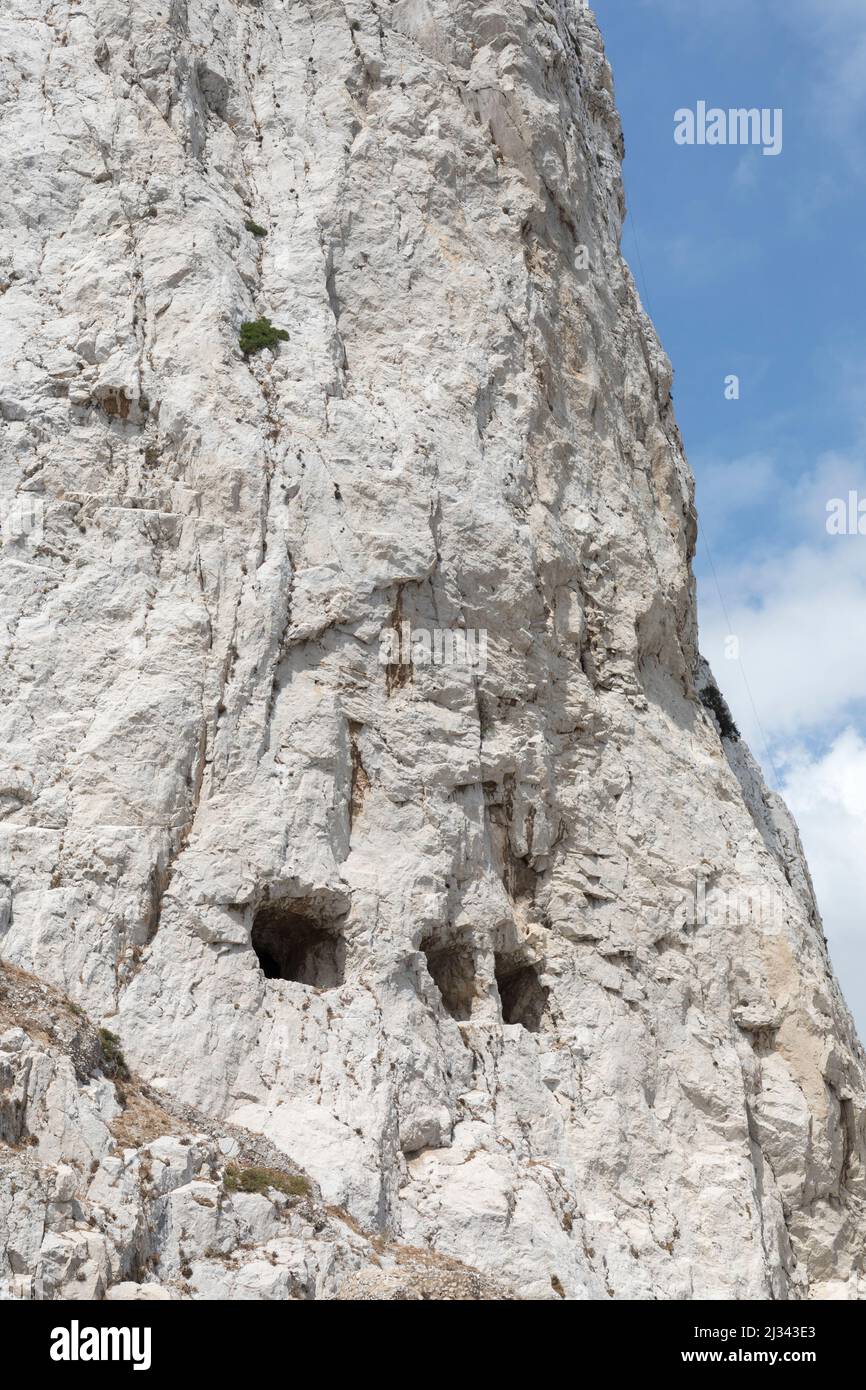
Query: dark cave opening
pixel 522 995
pixel 292 944
pixel 452 969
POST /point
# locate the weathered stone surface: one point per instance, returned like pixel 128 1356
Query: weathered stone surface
pixel 105 1192
pixel 505 1038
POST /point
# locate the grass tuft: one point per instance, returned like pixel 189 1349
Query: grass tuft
pixel 258 1180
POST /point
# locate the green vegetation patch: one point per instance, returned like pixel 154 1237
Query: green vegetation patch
pixel 113 1063
pixel 256 334
pixel 714 700
pixel 258 1180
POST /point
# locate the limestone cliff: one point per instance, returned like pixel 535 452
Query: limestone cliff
pixel 435 930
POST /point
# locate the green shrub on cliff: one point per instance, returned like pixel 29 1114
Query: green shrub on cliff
pixel 256 334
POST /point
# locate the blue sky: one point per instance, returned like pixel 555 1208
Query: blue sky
pixel 756 266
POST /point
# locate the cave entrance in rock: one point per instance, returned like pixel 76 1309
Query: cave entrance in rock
pixel 292 943
pixel 522 995
pixel 452 969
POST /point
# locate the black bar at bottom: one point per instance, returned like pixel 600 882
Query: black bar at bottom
pixel 198 1338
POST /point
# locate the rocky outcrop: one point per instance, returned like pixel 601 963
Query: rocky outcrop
pixel 107 1191
pixel 445 933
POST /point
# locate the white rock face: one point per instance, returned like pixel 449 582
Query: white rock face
pixel 488 1025
pixel 106 1194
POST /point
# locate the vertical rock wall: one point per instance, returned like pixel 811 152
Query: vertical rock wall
pixel 504 1035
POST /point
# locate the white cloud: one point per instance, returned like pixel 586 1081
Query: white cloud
pixel 834 32
pixel 827 796
pixel 728 487
pixel 834 476
pixel 799 620
pixel 793 507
